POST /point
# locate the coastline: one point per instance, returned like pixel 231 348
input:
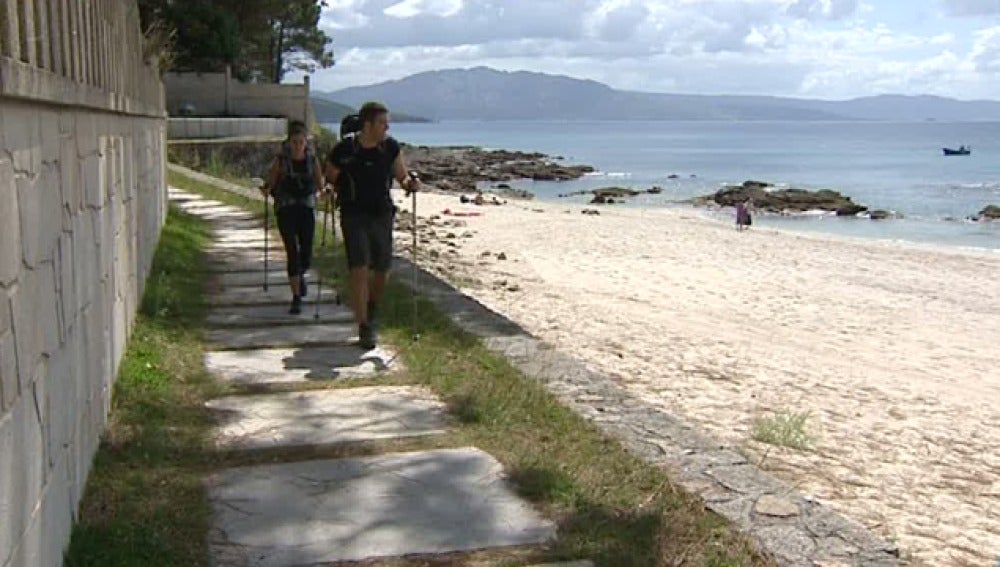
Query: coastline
pixel 886 344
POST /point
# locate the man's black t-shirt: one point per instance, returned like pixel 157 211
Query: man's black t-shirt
pixel 365 175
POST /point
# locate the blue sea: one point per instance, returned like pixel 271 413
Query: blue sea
pixel 893 166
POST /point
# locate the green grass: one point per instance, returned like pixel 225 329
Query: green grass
pixel 783 429
pixel 145 502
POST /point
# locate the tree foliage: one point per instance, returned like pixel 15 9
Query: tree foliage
pixel 257 38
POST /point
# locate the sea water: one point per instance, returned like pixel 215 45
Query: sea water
pixel 892 166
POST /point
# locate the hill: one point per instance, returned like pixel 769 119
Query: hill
pixel 482 93
pixel 331 112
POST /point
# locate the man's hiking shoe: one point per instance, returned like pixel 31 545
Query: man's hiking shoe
pixel 303 285
pixel 296 307
pixel 366 336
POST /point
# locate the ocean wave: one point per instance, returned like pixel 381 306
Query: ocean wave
pixel 985 185
pixel 615 174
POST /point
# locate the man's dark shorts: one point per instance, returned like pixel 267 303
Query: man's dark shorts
pixel 368 239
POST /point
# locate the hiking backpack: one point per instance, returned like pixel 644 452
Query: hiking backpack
pixel 298 186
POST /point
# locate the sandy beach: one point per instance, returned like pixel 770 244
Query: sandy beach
pixel 892 349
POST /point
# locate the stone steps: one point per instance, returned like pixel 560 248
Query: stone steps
pixel 442 501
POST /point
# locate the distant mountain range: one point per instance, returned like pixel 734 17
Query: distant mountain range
pixel 330 112
pixel 482 93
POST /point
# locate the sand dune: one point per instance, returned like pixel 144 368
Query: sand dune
pixel 891 349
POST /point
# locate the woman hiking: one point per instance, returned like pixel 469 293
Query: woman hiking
pixel 294 180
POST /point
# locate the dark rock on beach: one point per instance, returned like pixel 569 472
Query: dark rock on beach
pixel 459 168
pixel 783 201
pixel 851 211
pixel 611 195
pixel 989 213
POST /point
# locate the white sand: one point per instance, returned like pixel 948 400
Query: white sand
pixel 892 349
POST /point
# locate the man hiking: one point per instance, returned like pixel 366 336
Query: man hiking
pixel 361 169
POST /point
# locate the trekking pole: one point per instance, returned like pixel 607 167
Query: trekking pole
pixel 326 215
pixel 333 245
pixel 319 272
pixel 413 256
pixel 263 187
pixel 319 293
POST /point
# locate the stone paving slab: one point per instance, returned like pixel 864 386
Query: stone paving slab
pixel 351 509
pixel 291 365
pixel 202 202
pixel 235 218
pixel 205 208
pixel 283 336
pixel 277 294
pixel 327 417
pixel 240 231
pixel 243 223
pixel 247 266
pixel 182 196
pixel 263 315
pixel 239 255
pixel 256 244
pixel 255 278
pixel 252 238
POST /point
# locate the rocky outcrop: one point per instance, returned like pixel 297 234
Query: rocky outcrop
pixel 459 168
pixel 989 213
pixel 610 195
pixel 784 201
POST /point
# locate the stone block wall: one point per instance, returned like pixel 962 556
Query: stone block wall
pixel 218 94
pixel 82 201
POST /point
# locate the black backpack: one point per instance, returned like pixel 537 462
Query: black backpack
pixel 294 185
pixel 350 125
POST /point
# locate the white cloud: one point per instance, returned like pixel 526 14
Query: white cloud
pixel 985 55
pixel 343 14
pixel 618 21
pixel 411 8
pixel 817 48
pixel 823 9
pixel 971 7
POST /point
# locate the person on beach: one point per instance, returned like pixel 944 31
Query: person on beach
pixel 294 180
pixel 361 170
pixel 743 219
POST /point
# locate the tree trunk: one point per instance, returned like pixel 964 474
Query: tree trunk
pixel 278 62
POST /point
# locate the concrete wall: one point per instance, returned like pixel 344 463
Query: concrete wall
pixel 217 94
pixel 201 128
pixel 82 200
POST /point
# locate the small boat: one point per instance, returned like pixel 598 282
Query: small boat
pixel 961 151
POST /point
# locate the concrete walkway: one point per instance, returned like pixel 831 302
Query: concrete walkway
pixel 792 527
pixel 314 512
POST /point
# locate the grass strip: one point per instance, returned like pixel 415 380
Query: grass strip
pixel 610 506
pixel 145 502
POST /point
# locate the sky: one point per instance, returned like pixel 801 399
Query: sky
pixel 820 49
